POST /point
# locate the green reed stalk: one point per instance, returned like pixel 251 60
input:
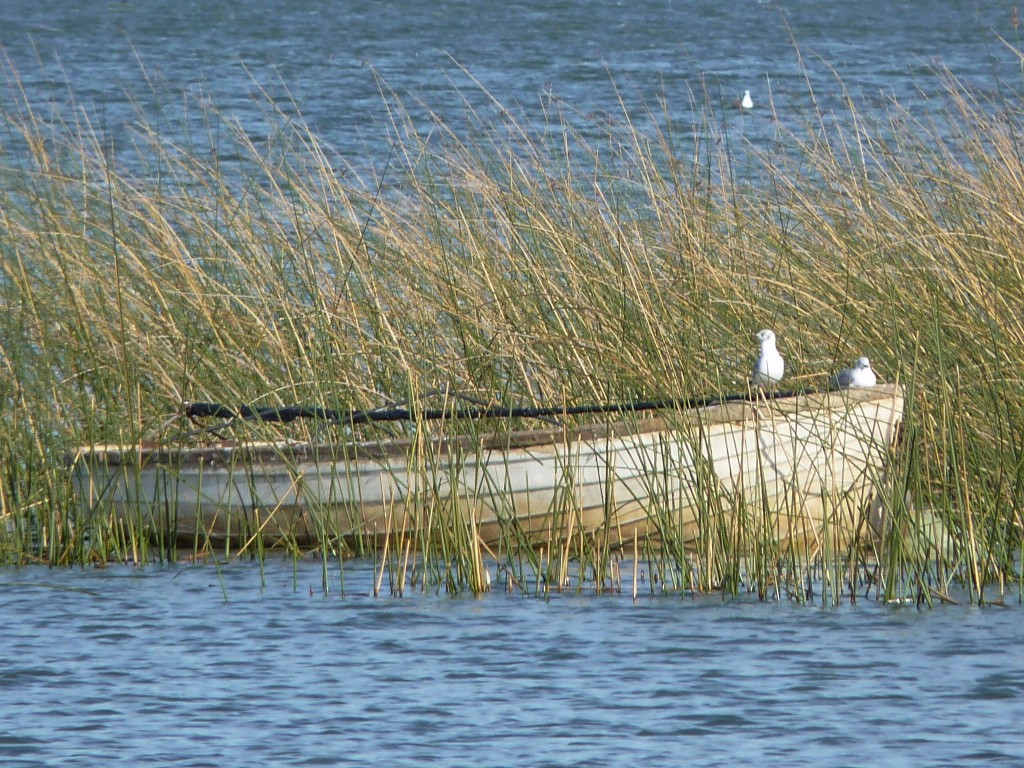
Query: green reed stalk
pixel 512 268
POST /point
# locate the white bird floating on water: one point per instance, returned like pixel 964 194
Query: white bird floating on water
pixel 860 375
pixel 747 102
pixel 770 366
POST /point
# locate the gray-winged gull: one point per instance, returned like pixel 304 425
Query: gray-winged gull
pixel 860 375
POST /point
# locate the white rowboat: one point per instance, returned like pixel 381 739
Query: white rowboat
pixel 797 467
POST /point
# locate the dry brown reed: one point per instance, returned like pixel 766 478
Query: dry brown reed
pixel 500 264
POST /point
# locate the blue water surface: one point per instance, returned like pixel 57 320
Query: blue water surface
pixel 199 666
pixel 121 64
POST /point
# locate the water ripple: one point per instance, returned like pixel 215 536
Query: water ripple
pixel 155 666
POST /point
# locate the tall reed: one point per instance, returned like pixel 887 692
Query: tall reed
pixel 503 264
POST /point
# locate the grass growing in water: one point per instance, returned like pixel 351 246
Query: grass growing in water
pixel 521 270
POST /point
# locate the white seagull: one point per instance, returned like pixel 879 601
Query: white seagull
pixel 860 375
pixel 770 366
pixel 747 102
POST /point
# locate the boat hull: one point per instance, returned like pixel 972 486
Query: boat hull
pixel 785 469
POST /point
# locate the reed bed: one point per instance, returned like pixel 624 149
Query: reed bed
pixel 568 263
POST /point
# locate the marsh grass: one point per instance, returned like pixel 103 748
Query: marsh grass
pixel 497 262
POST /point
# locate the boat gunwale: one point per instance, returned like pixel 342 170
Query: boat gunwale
pixel 739 412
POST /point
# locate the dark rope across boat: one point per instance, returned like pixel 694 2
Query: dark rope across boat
pixel 415 413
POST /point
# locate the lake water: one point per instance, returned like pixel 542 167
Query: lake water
pixel 195 666
pixel 124 60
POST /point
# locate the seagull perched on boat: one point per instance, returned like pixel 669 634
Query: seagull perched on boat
pixel 770 366
pixel 746 102
pixel 860 375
